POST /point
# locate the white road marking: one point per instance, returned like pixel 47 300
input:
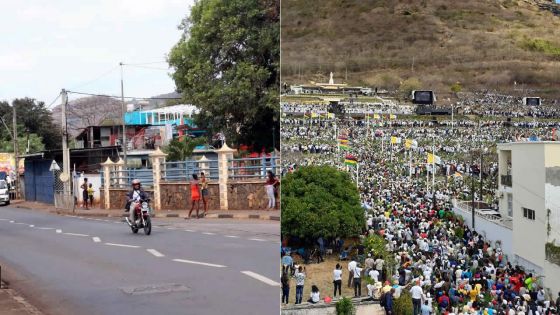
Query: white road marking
pixel 198 263
pixel 261 278
pixel 208 233
pixel 171 228
pixel 31 225
pixel 3 219
pixel 96 239
pixel 75 234
pixel 257 239
pixel 232 236
pixel 155 252
pixel 122 245
pixel 190 231
pixel 20 223
pixel 45 228
pixel 11 221
pixel 58 231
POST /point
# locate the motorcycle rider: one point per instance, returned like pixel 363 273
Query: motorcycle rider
pixel 133 198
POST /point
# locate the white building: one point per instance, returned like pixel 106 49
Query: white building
pixel 529 195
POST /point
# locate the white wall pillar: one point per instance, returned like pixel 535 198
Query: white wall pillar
pixel 158 158
pixel 224 154
pixel 107 166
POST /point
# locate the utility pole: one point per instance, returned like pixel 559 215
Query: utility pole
pixel 65 177
pixel 123 113
pixel 16 154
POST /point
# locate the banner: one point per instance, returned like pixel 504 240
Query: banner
pixel 432 158
pixel 350 160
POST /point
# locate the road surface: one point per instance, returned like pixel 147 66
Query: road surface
pixel 90 266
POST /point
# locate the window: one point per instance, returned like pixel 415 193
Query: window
pixel 529 214
pixel 510 205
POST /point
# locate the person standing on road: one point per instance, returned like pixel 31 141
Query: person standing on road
pixel 417 293
pixel 270 186
pixel 204 191
pixel 337 279
pixel 195 195
pixel 351 266
pixel 84 188
pixel 300 281
pixel 285 287
pixel 357 281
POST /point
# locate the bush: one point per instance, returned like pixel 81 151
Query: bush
pixel 320 201
pixel 403 305
pixel 344 306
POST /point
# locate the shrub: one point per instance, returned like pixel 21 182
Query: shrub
pixel 344 306
pixel 403 305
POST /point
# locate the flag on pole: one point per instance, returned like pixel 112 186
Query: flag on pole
pixel 314 115
pixel 343 143
pixel 457 174
pixel 407 143
pixel 376 116
pixel 432 158
pixel 350 160
pixel 330 115
pixel 392 116
pixel 395 140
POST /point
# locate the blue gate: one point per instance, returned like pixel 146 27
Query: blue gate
pixel 39 181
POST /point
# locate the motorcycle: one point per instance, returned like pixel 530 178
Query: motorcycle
pixel 142 218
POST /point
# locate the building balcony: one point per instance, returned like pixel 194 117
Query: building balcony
pixel 505 180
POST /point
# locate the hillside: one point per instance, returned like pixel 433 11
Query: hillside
pixel 483 44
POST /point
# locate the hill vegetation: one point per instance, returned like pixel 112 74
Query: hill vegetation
pixel 507 45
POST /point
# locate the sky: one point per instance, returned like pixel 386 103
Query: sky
pixel 77 45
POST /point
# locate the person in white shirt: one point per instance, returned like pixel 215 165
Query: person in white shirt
pixel 416 293
pixel 357 281
pixel 337 279
pixel 314 297
pixel 351 266
pixel 374 275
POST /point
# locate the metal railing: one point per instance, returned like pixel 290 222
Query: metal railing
pixel 183 170
pixel 123 179
pixel 465 206
pixel 506 180
pixel 247 168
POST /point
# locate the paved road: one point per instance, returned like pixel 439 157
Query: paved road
pixel 71 265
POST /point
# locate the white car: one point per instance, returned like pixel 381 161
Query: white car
pixel 4 193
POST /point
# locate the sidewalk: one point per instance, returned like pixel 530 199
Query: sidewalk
pixel 13 304
pixel 212 214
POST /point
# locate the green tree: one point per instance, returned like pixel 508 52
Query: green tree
pixel 456 88
pixel 344 306
pixel 180 150
pixel 226 63
pixel 320 201
pixel 34 123
pixel 409 85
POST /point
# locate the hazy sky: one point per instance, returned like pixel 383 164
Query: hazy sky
pixel 49 45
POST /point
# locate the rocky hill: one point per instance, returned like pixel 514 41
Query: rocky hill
pixel 508 45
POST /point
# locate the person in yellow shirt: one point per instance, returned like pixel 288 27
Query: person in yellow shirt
pixel 90 195
pixel 472 294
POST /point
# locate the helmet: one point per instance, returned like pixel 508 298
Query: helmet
pixel 136 182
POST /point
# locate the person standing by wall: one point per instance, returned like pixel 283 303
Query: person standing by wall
pixel 204 190
pixel 84 188
pixel 337 280
pixel 195 196
pixel 300 281
pixel 90 194
pixel 271 185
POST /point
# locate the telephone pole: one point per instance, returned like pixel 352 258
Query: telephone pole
pixel 123 113
pixel 65 151
pixel 16 155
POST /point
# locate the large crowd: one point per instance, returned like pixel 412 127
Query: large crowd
pixel 446 271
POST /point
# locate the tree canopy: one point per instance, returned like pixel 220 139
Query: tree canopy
pixel 34 123
pixel 181 149
pixel 226 63
pixel 320 201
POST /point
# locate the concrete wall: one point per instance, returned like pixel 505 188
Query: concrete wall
pixel 369 308
pixel 177 196
pixel 95 180
pixel 551 276
pixel 491 230
pixel 247 195
pixel 528 176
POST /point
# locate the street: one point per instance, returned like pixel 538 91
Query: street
pixel 90 266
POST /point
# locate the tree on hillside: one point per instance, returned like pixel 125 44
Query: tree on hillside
pixel 226 63
pixel 409 85
pixel 182 149
pixel 320 201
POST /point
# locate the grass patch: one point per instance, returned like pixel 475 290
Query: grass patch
pixel 541 45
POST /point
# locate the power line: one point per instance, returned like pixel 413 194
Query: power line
pixel 52 103
pixel 130 97
pixel 104 74
pixel 143 63
pixel 151 68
